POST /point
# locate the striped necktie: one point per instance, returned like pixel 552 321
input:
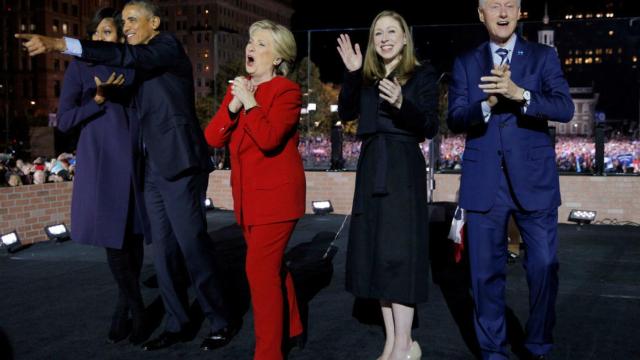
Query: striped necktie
pixel 502 52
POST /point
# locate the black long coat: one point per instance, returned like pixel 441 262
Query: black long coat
pixel 387 256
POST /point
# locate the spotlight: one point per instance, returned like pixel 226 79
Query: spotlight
pixel 582 217
pixel 208 204
pixel 11 241
pixel 57 232
pixel 322 207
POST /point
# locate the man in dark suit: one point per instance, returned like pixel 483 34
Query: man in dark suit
pixel 502 95
pixel 176 164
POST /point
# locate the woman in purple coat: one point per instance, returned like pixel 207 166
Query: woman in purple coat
pixel 104 208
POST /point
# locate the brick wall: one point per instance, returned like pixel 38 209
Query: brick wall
pixel 28 209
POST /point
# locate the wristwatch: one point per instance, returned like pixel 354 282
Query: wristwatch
pixel 526 97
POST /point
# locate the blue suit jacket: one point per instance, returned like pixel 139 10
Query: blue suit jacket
pixel 165 101
pixel 522 139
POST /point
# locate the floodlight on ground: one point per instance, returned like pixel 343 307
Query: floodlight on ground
pixel 11 242
pixel 208 204
pixel 582 217
pixel 321 207
pixel 57 232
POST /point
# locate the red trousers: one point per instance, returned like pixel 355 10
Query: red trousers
pixel 265 249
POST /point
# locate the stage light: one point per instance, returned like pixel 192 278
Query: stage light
pixel 321 207
pixel 11 241
pixel 582 217
pixel 57 232
pixel 208 204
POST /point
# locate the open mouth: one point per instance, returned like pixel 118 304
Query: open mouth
pixel 503 23
pixel 250 60
pixel 386 47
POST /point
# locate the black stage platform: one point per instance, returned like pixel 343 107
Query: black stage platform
pixel 56 302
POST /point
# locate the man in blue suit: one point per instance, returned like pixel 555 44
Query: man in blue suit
pixel 502 94
pixel 176 167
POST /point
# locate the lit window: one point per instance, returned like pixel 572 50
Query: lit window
pixel 568 61
pixel 634 59
pixel 598 51
pixel 611 32
pixel 578 60
pixel 597 60
pixel 579 16
pixel 588 52
pixel 65 28
pixel 588 60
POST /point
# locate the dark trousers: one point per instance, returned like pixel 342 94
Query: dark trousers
pixel 488 258
pixel 180 241
pixel 125 265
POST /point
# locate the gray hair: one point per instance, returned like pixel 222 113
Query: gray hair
pixel 481 2
pixel 146 5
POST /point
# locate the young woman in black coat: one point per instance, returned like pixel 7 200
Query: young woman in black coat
pixel 395 99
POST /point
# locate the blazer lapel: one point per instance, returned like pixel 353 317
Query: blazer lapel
pixel 485 59
pixel 518 60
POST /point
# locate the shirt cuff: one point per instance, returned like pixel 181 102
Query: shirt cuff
pixel 525 106
pixel 74 47
pixel 486 111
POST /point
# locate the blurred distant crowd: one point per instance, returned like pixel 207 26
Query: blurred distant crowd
pixel 573 154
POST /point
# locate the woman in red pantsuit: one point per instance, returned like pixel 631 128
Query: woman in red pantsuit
pixel 258 119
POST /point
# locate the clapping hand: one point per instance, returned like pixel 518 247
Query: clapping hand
pixel 391 91
pixel 351 55
pixel 243 94
pixel 500 83
pixel 103 87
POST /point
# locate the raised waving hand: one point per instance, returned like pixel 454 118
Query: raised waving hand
pixel 351 55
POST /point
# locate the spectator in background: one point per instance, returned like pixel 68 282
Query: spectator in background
pixel 14 180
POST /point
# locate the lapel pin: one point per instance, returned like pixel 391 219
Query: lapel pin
pixel 520 52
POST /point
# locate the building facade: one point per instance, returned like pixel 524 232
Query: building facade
pixel 214 32
pixel 30 87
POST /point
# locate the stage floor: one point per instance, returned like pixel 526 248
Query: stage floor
pixel 56 302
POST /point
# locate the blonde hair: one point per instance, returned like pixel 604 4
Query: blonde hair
pixel 481 3
pixel 374 69
pixel 284 44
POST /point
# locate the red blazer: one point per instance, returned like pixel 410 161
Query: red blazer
pixel 267 176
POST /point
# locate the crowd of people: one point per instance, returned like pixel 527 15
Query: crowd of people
pixel 573 154
pixel 18 172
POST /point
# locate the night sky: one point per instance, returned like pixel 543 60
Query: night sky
pixel 318 14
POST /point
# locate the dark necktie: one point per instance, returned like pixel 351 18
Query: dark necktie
pixel 503 55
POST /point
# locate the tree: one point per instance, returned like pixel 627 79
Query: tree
pixel 314 91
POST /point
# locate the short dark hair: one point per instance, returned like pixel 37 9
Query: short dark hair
pixel 149 6
pixel 105 13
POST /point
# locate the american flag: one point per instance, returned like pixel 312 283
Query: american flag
pixel 456 233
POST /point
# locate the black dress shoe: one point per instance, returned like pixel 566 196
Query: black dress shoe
pixel 119 331
pixel 164 340
pixel 141 330
pixel 219 338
